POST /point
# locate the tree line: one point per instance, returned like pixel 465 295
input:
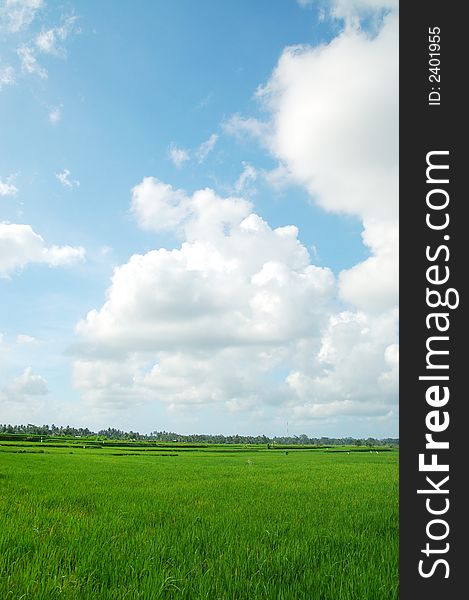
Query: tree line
pixel 168 436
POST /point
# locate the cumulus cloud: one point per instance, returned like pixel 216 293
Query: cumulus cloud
pixel 337 135
pixel 178 156
pixel 238 315
pixel 234 280
pixel 353 362
pixel 157 206
pixel 64 178
pixel 24 386
pixel 209 321
pixel 372 285
pixel 234 316
pixel 20 245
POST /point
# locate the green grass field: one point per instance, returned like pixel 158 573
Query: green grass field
pixel 109 523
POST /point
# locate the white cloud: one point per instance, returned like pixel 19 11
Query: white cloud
pixel 158 206
pixel 326 122
pixel 7 188
pixel 232 280
pixel 178 156
pixel 55 114
pixel 237 316
pixel 240 127
pixel 29 62
pixel 352 11
pixel 7 76
pixel 333 126
pixel 234 296
pixel 352 363
pixel 64 178
pixel 188 296
pixel 390 379
pixel 18 14
pixel 25 385
pixel 206 147
pixel 20 245
pixel 23 338
pixel 248 175
pixel 337 135
pixel 372 285
pixel 47 41
pixel 278 178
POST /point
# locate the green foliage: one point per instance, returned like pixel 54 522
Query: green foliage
pixel 36 432
pixel 82 523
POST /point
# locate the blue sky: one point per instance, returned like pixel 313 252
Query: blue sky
pixel 96 97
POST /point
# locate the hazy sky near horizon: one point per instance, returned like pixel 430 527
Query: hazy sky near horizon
pixel 199 215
